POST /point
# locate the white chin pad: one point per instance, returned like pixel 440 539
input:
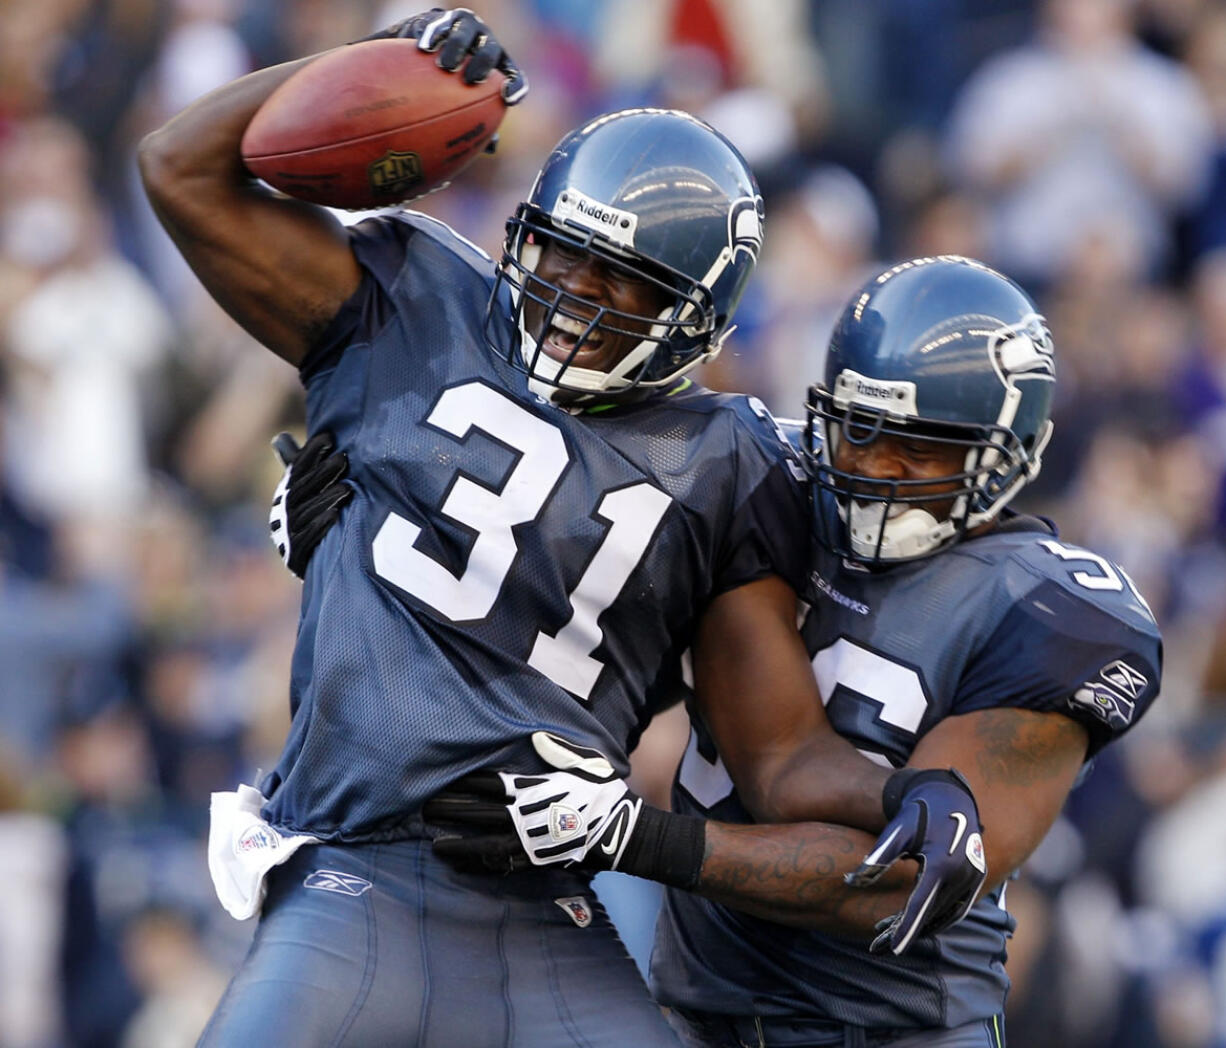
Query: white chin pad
pixel 909 532
pixel 543 373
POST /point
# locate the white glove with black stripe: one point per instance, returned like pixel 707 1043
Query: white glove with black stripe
pixel 580 814
pixel 309 498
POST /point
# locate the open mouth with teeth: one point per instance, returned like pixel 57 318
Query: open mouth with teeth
pixel 879 509
pixel 566 333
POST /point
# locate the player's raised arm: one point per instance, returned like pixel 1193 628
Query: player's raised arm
pixel 282 267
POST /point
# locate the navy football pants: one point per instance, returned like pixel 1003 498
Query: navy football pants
pixel 384 945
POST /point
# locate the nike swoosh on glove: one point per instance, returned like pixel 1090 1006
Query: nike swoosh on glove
pixel 934 820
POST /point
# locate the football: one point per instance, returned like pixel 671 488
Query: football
pixel 371 125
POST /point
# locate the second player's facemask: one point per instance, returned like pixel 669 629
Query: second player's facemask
pixel 936 365
pixel 872 519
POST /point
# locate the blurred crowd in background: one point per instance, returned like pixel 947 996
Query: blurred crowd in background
pixel 146 622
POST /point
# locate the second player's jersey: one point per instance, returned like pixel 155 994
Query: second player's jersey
pixel 1015 618
pixel 505 565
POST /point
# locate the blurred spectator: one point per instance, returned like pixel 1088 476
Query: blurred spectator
pixel 63 650
pixel 201 50
pixel 821 240
pixel 1206 57
pixel 106 50
pixel 80 344
pixel 130 851
pixel 179 984
pixel 1081 133
pixel 944 222
pixel 31 912
pixel 31 38
pixel 753 70
pixel 1202 382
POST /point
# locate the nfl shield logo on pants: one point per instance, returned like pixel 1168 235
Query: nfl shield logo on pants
pixel 577 907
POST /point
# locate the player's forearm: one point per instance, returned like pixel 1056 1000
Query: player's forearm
pixel 755 690
pixel 824 780
pixel 794 875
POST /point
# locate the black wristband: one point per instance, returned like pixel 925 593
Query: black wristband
pixel 905 779
pixel 665 847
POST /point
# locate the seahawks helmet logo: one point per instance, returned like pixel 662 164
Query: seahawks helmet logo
pixel 745 227
pixel 1023 350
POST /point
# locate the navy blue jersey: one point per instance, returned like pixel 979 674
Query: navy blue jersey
pixel 1015 618
pixel 505 565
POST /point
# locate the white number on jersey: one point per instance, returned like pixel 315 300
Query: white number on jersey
pixel 896 689
pixel 1108 577
pixel 633 512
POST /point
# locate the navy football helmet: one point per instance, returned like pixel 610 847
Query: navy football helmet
pixel 942 350
pixel 654 191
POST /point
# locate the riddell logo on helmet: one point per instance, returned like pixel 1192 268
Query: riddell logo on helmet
pixel 895 398
pixel 580 209
pixel 867 389
pixel 898 400
pixel 600 214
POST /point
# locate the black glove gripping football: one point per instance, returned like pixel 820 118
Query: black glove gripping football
pixel 309 497
pixel 933 819
pixel 456 35
pixel 582 814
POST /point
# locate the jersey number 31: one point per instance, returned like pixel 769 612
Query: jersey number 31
pixel 633 514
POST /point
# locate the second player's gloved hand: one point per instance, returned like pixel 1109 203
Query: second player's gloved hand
pixel 581 814
pixel 309 497
pixel 933 819
pixel 458 35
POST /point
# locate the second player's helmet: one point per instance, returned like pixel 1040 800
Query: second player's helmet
pixel 942 350
pixel 654 191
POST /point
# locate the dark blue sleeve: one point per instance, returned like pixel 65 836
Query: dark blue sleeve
pixel 380 245
pixel 769 536
pixel 770 525
pixel 1054 652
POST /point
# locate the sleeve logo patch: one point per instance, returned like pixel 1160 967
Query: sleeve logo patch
pixel 1112 697
pixel 1124 678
